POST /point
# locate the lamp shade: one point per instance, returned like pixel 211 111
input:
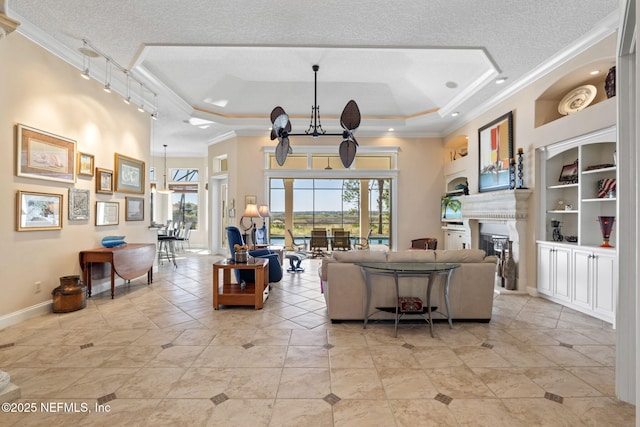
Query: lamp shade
pixel 251 211
pixel 263 211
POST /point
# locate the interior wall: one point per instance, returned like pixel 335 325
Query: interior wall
pixel 41 91
pixel 528 137
pixel 420 178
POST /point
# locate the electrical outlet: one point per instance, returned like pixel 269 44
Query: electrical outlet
pixel 38 287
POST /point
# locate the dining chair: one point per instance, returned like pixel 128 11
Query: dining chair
pixel 319 244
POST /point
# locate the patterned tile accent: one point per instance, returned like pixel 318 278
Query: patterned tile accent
pixel 408 346
pixel 166 346
pixel 328 346
pixel 106 398
pixel 486 345
pixel 331 399
pixel 88 345
pixel 11 344
pixel 554 397
pixel 443 398
pixel 247 346
pixel 219 398
pixel 564 344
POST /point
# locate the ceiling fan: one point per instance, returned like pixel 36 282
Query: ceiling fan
pixel 349 121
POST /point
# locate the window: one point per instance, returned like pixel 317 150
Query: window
pixel 329 203
pixel 184 200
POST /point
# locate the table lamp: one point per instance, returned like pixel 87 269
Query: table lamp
pixel 251 211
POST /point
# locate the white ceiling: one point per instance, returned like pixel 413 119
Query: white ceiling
pixel 408 64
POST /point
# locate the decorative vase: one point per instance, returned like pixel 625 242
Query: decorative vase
pixel 509 270
pixel 610 83
pixel 240 256
pixel 606 225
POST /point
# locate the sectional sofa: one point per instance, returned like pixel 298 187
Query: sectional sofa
pixel 470 295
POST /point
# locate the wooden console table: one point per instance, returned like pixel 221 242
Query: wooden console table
pixel 129 262
pixel 232 293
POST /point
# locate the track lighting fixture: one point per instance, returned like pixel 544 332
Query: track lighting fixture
pixel 122 85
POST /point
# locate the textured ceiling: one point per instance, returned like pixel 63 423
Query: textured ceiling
pixel 232 62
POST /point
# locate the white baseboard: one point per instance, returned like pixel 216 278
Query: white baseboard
pixel 25 314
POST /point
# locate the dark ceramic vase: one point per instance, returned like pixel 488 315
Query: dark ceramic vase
pixel 610 83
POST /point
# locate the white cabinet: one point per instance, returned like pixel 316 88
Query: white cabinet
pixel 595 282
pixel 554 271
pixel 588 270
pixel 455 238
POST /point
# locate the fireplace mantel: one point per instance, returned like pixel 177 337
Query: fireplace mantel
pixel 497 205
pixel 509 207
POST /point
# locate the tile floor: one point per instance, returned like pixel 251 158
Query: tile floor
pixel 160 355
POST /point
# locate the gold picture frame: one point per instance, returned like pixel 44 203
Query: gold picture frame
pixel 107 213
pixel 104 181
pixel 85 164
pixel 38 211
pixel 43 155
pixel 129 175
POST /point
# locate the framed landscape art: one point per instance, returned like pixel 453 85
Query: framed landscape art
pixel 85 164
pixel 44 155
pixel 104 181
pixel 38 211
pixel 134 208
pixel 129 175
pixel 496 150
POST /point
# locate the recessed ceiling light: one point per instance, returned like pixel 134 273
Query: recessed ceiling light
pixel 501 80
pixel 455 114
pixel 391 129
pixel 451 85
pixel 595 72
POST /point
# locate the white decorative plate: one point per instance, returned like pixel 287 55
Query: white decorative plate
pixel 576 100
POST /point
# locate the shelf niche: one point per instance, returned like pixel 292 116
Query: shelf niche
pixel 546 105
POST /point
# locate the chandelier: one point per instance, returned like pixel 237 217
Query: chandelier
pixel 349 121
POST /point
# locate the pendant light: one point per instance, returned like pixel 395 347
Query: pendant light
pixel 165 189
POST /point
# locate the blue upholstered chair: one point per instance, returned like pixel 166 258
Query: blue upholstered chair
pixel 275 269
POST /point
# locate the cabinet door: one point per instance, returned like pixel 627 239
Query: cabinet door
pixel 545 267
pixel 454 240
pixel 562 268
pixel 605 285
pixel 582 279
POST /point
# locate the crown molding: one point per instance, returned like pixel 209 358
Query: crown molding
pixel 602 30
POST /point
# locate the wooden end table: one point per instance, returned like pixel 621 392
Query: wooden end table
pixel 229 293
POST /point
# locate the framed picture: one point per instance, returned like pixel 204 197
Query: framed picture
pixel 129 175
pixel 496 148
pixel 78 204
pixel 104 181
pixel 134 208
pixel 107 213
pixel 250 200
pixel 569 173
pixel 38 211
pixel 44 155
pixel 85 164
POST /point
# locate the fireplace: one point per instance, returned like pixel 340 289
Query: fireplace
pixel 496 215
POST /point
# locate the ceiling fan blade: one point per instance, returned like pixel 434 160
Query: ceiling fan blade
pixel 278 111
pixel 347 152
pixel 273 134
pixel 282 150
pixel 350 118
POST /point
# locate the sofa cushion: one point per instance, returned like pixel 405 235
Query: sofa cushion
pixel 360 256
pixel 412 256
pixel 460 255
